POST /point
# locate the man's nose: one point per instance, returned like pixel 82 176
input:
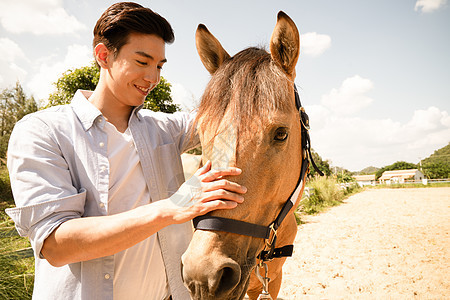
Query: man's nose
pixel 153 76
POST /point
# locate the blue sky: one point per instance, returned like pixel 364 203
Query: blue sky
pixel 374 76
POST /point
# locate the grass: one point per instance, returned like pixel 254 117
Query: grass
pixel 5 187
pixel 16 275
pixel 327 193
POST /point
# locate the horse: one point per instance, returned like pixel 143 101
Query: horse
pixel 248 118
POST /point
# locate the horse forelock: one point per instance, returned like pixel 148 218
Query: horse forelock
pixel 248 87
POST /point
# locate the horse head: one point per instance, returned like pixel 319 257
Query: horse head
pixel 247 118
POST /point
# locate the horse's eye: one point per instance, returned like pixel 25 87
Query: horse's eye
pixel 281 134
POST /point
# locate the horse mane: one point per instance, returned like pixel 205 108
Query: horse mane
pixel 249 85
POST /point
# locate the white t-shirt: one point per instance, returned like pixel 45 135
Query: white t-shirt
pixel 139 271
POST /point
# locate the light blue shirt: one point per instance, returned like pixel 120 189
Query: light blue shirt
pixel 59 170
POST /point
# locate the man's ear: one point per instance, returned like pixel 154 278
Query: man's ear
pixel 102 53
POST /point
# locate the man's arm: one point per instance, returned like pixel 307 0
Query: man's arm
pixel 88 238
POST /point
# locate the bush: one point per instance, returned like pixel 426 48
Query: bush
pixel 352 188
pixel 327 192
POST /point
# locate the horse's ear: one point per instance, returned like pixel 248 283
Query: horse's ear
pixel 210 50
pixel 285 43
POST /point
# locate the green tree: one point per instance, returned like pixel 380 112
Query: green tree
pixel 86 78
pixel 159 99
pixel 14 105
pixel 344 176
pixel 323 165
pixel 399 165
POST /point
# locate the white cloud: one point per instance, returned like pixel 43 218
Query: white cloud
pixel 10 53
pixel 350 97
pixel 429 120
pixel 41 85
pixel 9 50
pixel 354 143
pixel 428 6
pixel 314 44
pixel 38 17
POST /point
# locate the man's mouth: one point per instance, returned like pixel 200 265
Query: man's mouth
pixel 143 90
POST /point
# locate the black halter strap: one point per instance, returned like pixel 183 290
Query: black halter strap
pixel 306 141
pixel 208 222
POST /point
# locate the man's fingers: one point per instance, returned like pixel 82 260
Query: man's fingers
pixel 217 204
pixel 204 169
pixel 225 185
pixel 221 194
pixel 215 174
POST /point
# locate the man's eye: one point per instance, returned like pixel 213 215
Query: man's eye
pixel 141 63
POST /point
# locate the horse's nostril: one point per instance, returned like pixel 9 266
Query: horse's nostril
pixel 211 278
pixel 226 280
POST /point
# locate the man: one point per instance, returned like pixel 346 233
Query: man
pixel 97 182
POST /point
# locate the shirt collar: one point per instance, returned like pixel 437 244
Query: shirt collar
pixel 136 111
pixel 87 112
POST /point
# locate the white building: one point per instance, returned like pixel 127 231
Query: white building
pixel 399 176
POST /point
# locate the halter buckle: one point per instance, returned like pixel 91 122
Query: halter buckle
pixel 270 242
pixel 269 248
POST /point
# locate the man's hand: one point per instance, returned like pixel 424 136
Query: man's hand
pixel 205 191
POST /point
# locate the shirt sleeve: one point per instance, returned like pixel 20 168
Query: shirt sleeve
pixel 41 182
pixel 183 131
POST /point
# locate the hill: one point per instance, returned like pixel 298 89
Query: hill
pixel 437 165
pixel 368 170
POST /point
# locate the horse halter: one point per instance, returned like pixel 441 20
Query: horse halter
pixel 208 222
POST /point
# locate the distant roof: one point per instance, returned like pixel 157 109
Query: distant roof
pixel 364 177
pixel 399 174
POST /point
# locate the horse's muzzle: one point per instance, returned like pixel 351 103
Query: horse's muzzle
pixel 211 278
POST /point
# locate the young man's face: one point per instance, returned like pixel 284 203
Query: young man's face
pixel 136 69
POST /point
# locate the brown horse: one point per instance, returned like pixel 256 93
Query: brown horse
pixel 247 118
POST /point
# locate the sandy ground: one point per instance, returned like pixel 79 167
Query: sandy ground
pixel 379 244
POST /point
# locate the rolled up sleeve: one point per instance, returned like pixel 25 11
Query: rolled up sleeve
pixel 38 221
pixel 41 183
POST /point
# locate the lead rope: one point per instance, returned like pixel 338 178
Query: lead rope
pixel 264 280
pixel 266 255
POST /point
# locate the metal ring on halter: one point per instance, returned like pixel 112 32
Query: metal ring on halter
pixel 302 112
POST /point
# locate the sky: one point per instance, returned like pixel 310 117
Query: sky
pixel 374 76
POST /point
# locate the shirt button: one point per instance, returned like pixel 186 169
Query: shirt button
pixel 102 205
pixel 100 120
pixel 107 276
pixel 101 144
